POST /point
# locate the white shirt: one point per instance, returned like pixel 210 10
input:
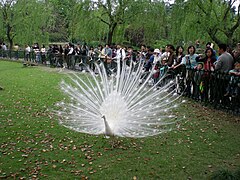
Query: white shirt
pixel 121 54
pixel 28 49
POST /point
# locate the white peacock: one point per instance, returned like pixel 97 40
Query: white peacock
pixel 119 104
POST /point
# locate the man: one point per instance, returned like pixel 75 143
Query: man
pixel 224 65
pixel 120 53
pixel 225 60
pixel 171 55
pixel 27 53
pixel 107 54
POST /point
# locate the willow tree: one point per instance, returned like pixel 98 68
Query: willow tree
pixel 108 14
pixel 7 17
pixel 62 11
pixel 218 19
pixel 84 26
pixel 147 22
pixel 24 21
pixel 32 21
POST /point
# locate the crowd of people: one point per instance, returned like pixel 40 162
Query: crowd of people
pixel 209 75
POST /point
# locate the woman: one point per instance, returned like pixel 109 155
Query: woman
pixel 191 63
pixel 208 66
pixel 43 54
pixel 179 57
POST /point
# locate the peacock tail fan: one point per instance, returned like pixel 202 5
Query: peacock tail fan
pixel 129 105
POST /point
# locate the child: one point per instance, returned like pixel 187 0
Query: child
pixel 233 88
pixel 198 81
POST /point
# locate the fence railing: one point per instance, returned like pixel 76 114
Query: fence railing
pixel 220 90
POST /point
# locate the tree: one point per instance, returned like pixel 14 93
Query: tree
pixel 7 18
pixel 32 26
pixel 23 23
pixel 218 19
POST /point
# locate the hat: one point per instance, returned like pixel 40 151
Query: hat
pixel 156 51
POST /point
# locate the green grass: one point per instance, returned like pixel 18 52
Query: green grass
pixel 33 144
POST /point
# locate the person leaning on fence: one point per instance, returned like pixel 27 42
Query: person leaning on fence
pixel 223 66
pixel 171 56
pixel 233 88
pixel 119 58
pixel 43 54
pixel 71 57
pixel 78 54
pixel 208 66
pixel 91 56
pixel 198 82
pixel 106 55
pixel 27 53
pixel 65 55
pixel 16 49
pixel 4 48
pixel 60 56
pixel 37 53
pixel 190 62
pixel 156 62
pixel 84 53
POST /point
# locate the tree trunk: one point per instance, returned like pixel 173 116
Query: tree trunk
pixel 110 32
pixel 10 39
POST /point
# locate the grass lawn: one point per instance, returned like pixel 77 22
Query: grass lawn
pixel 34 146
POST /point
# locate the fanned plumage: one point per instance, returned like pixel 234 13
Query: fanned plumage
pixel 118 105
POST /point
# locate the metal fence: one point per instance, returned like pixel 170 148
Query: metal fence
pixel 220 90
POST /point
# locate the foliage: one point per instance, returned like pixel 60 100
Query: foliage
pixel 34 146
pixel 225 175
pixel 138 22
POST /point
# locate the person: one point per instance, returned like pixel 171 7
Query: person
pixel 71 56
pixel 84 53
pixel 98 52
pixel 171 55
pixel 15 49
pixel 27 53
pixel 120 57
pixel 177 66
pixel 223 65
pixel 65 55
pixel 4 48
pixel 233 88
pixel 156 63
pixel 198 75
pixel 60 56
pixel 191 63
pixel 179 69
pixel 142 54
pixel 225 60
pixel 107 58
pixel 208 78
pixel 211 45
pixel 55 54
pixel 149 63
pixel 78 54
pixel 91 56
pixel 37 53
pixel 43 54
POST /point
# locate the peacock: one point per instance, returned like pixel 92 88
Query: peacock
pixel 121 104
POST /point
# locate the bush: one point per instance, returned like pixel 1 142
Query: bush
pixel 225 175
